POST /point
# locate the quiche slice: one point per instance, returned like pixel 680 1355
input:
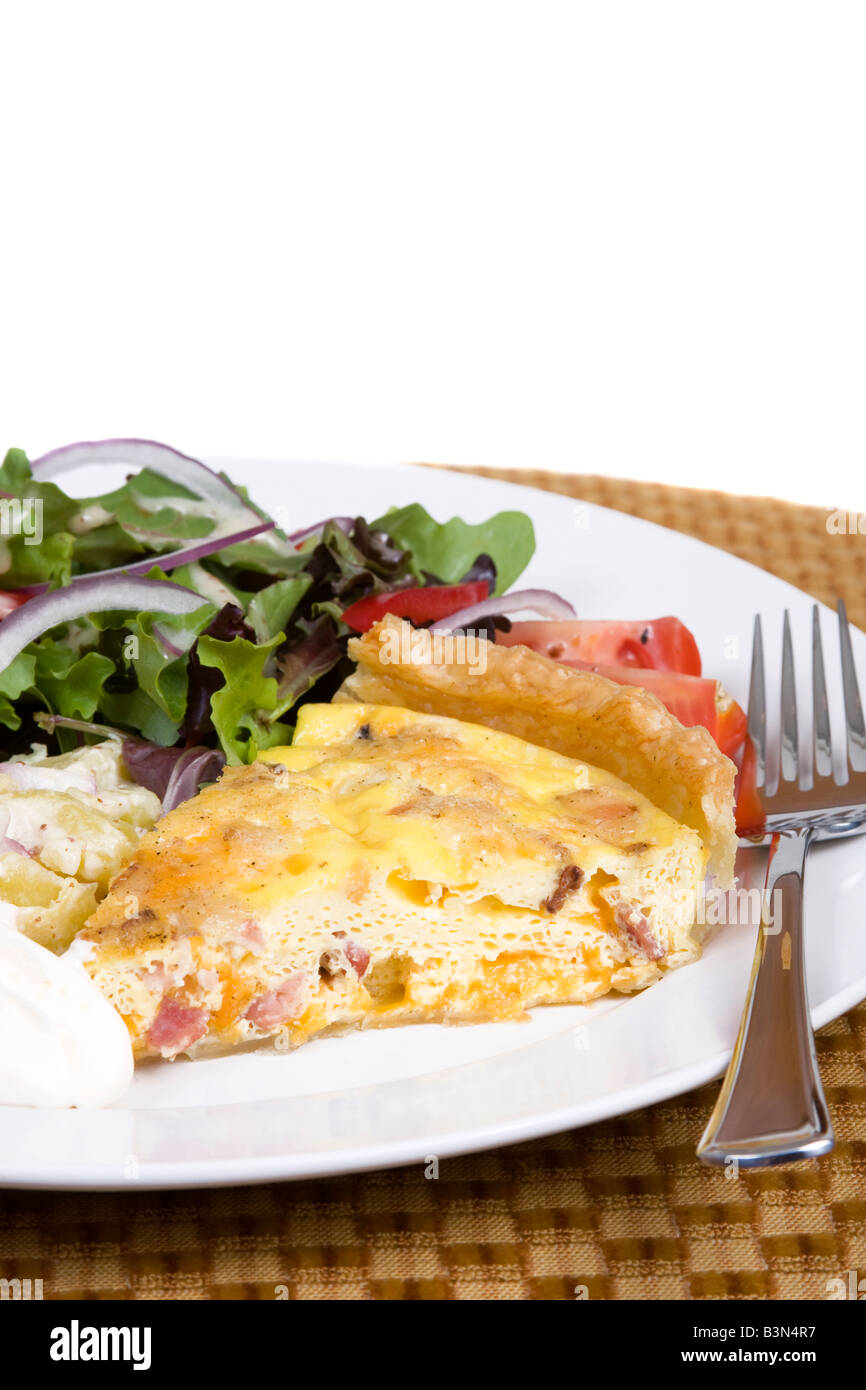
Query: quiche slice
pixel 390 867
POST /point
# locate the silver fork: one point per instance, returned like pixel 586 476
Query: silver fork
pixel 771 1108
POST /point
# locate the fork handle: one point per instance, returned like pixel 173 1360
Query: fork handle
pixel 771 1108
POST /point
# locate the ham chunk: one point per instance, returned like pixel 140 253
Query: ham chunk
pixel 176 1027
pixel 279 1005
pixel 634 924
pixel 349 952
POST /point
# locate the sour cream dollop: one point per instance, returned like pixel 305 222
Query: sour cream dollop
pixel 61 1042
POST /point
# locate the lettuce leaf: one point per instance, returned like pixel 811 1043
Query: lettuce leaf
pixel 269 611
pixel 243 709
pixel 69 683
pixel 17 678
pixel 449 549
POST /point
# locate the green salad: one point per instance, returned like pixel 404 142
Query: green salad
pixel 173 613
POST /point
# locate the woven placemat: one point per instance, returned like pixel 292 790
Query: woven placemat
pixel 621 1210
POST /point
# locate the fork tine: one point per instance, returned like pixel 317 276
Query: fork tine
pixel 757 726
pixel 853 709
pixel 821 737
pixel 790 738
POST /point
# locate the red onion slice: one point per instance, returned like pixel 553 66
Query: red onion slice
pixel 542 601
pixel 345 523
pixel 144 453
pixel 208 545
pixel 169 647
pixel 94 594
pixel 189 472
pixel 8 846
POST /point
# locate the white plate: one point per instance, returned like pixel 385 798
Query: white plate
pixel 372 1099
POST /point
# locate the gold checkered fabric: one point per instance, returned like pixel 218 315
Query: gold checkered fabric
pixel 621 1210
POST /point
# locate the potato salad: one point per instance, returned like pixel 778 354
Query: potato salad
pixel 67 826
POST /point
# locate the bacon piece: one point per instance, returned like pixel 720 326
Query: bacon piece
pixel 176 1027
pixel 631 920
pixel 569 881
pixel 278 1005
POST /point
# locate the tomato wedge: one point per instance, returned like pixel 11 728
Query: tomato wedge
pixel 661 656
pixel 691 699
pixel 422 605
pixel 664 644
pixel 750 810
pixel 10 600
pixel 732 722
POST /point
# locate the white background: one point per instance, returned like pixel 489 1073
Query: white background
pixel 604 237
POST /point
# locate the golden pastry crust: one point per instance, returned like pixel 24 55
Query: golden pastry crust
pixel 622 729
